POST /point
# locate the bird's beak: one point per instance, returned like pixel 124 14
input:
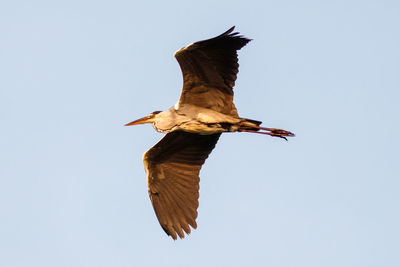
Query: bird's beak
pixel 143 120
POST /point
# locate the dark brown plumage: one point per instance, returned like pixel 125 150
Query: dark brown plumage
pixel 173 167
pixel 209 70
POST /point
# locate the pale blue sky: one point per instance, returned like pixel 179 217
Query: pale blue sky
pixel 72 185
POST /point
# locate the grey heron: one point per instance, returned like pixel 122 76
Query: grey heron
pixel 193 126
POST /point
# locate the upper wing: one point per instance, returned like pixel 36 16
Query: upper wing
pixel 209 70
pixel 173 167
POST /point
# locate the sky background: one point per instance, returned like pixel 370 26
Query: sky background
pixel 73 189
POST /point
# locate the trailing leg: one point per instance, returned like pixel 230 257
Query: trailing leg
pixel 250 127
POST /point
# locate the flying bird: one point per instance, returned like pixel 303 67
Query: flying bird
pixel 193 126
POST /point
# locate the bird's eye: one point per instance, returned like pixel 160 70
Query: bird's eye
pixel 156 112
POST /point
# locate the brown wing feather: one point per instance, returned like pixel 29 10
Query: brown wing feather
pixel 173 167
pixel 209 70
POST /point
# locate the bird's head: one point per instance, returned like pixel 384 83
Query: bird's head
pixel 148 119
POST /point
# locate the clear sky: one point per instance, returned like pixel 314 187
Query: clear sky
pixel 72 185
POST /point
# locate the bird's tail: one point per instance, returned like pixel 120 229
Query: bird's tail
pixel 247 124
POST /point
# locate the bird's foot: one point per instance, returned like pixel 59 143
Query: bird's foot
pixel 280 133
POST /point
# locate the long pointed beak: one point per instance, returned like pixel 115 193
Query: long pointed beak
pixel 140 121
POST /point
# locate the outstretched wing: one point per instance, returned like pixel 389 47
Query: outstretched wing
pixel 173 167
pixel 209 70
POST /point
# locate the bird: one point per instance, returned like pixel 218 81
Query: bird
pixel 192 128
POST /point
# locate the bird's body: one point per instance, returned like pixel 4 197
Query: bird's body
pixel 193 119
pixel 193 126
